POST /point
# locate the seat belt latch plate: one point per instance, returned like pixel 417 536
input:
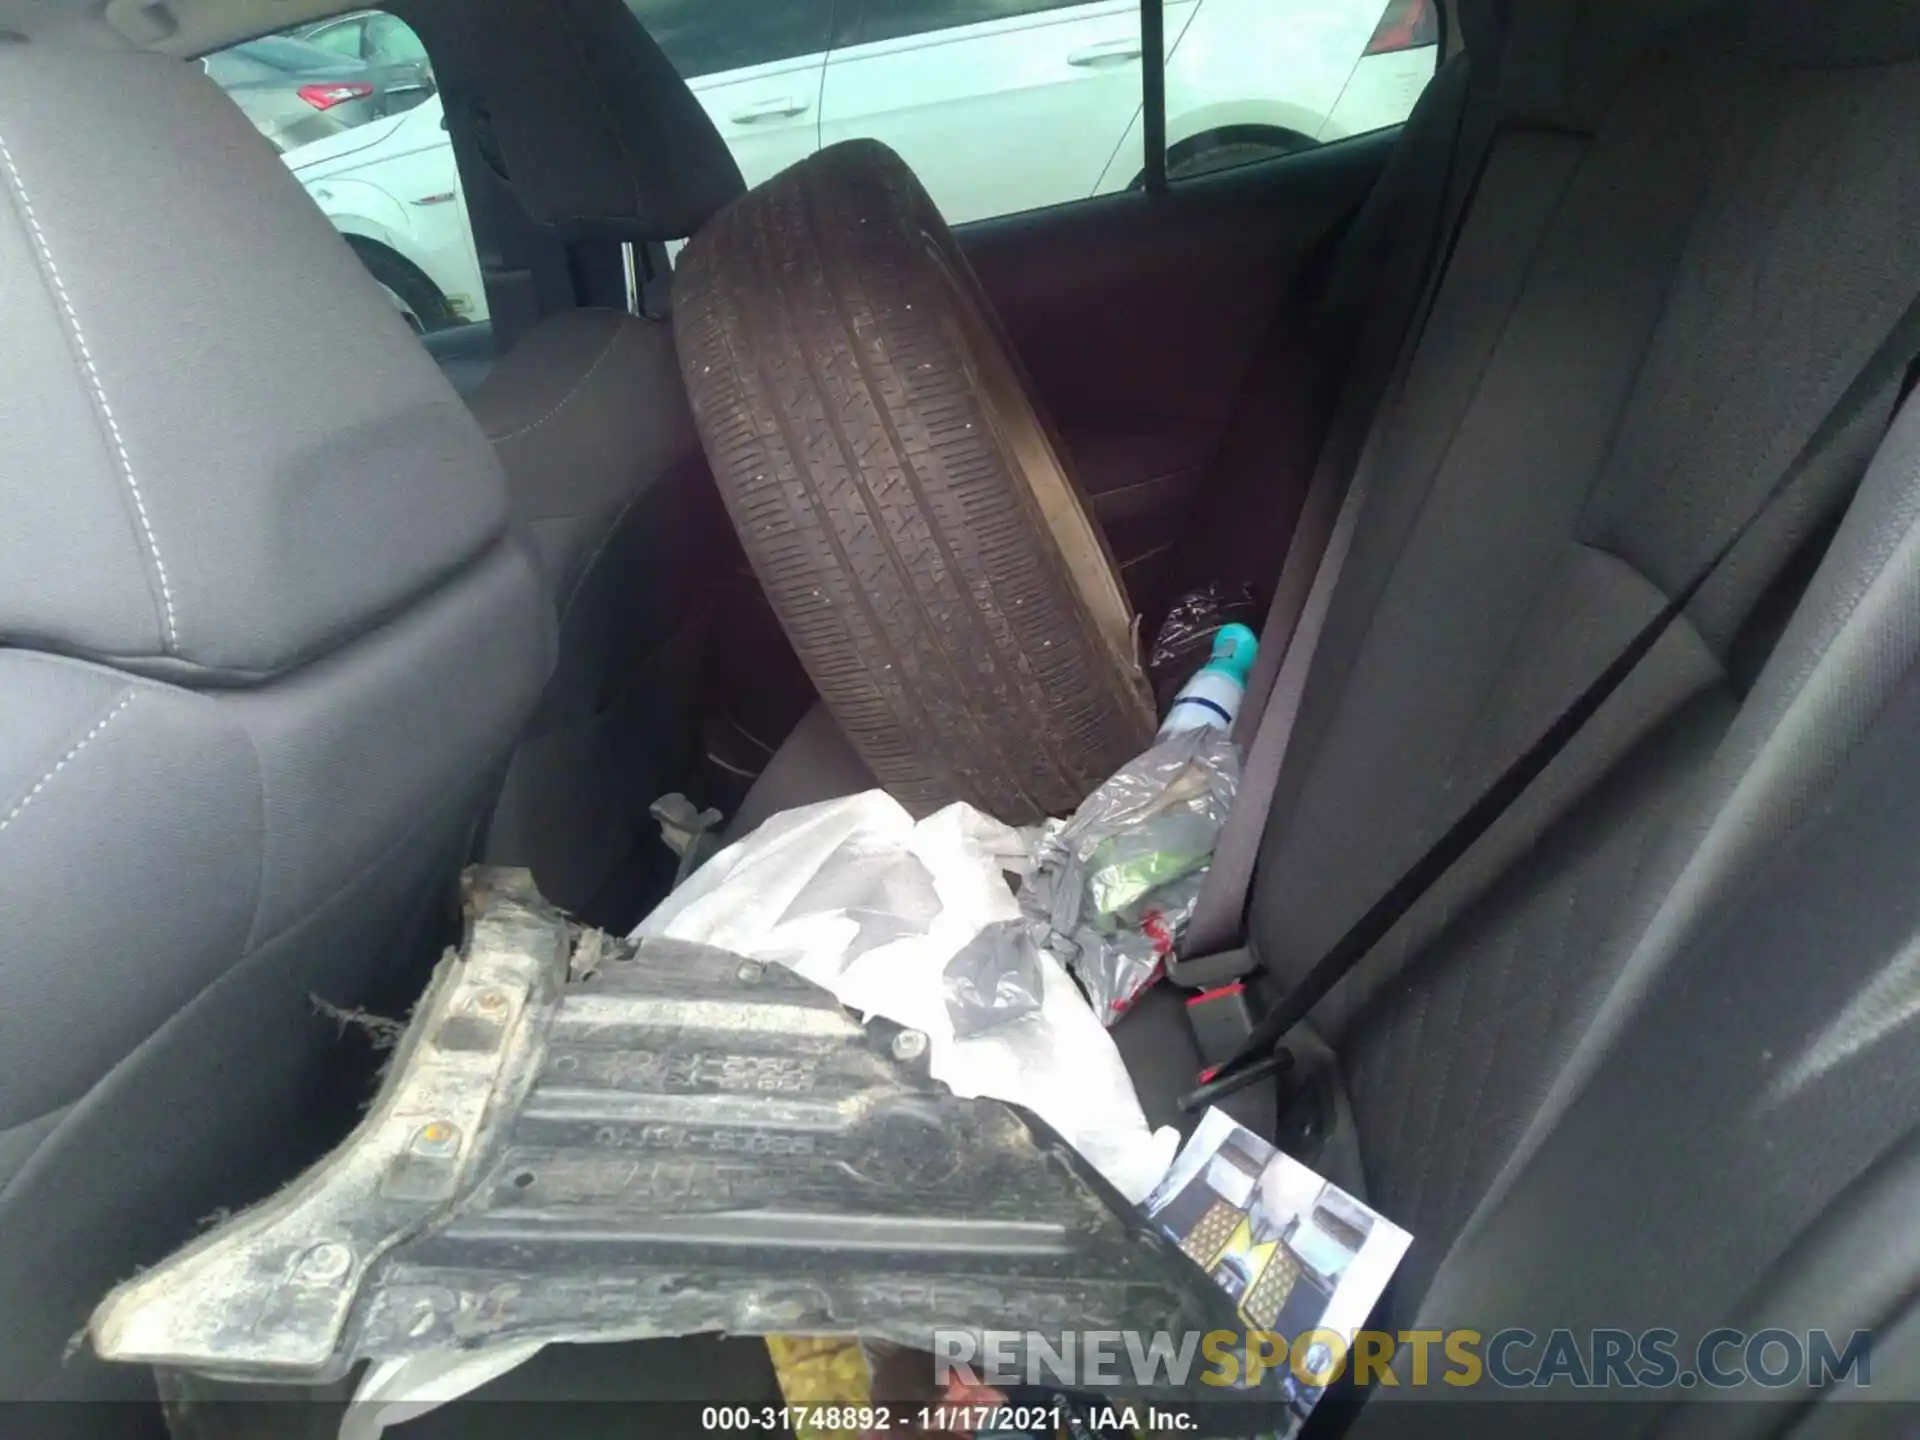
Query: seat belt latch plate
pixel 1210 972
pixel 1221 1020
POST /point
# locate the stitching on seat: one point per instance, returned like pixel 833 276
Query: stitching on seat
pixel 66 760
pixel 573 391
pixel 118 443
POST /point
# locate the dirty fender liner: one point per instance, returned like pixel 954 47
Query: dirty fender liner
pixel 582 1139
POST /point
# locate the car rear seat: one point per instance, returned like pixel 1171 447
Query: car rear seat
pixel 586 414
pixel 1664 285
pixel 1688 238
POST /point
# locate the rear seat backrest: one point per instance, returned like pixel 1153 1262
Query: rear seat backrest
pixel 1641 326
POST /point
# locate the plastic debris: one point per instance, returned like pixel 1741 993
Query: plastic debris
pixel 1112 888
pixel 686 831
pixel 1185 637
pixel 381 1031
pixel 995 978
pixel 857 897
pixel 1211 699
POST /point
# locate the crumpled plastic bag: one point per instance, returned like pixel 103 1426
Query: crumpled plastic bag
pixel 994 978
pixel 1115 968
pixel 857 897
pixel 1185 638
pixel 1112 888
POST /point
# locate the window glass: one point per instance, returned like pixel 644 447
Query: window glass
pixel 755 66
pixel 388 40
pixel 1248 80
pixel 351 107
pixel 1009 105
pixel 998 105
pixel 708 37
pixel 873 20
pixel 342 38
pixel 286 54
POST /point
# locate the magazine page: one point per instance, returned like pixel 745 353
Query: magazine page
pixel 1295 1252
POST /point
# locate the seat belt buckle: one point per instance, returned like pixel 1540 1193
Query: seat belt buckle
pixel 1221 1020
pixel 1210 972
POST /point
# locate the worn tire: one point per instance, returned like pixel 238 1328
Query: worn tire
pixel 414 295
pixel 901 496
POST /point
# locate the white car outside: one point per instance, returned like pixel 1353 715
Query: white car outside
pixel 1024 104
pixel 1039 102
pixel 392 188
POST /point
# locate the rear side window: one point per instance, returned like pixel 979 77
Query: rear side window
pixel 707 37
pixel 352 106
pixel 1248 81
pixel 343 38
pixel 1009 105
pixel 288 55
pixel 229 68
pixel 388 40
pixel 375 37
pixel 874 20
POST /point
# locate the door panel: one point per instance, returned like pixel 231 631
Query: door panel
pixel 769 115
pixel 1152 324
pixel 756 66
pixel 996 116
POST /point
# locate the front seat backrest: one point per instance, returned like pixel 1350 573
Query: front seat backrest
pixel 601 141
pixel 263 634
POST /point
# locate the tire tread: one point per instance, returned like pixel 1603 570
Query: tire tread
pixel 903 552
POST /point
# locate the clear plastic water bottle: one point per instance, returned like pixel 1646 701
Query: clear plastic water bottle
pixel 1212 697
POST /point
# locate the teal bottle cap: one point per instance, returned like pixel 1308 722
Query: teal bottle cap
pixel 1234 647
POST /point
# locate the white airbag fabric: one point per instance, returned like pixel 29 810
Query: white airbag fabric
pixel 858 898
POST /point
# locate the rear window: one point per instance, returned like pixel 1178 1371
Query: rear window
pixel 359 121
pixel 284 53
pixel 705 37
pixel 1008 105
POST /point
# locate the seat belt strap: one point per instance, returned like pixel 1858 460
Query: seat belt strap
pixel 1211 954
pixel 1883 375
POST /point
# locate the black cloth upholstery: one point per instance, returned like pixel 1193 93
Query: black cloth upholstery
pixel 226 509
pixel 606 478
pixel 1684 247
pixel 1641 328
pixel 596 132
pixel 265 635
pixel 816 762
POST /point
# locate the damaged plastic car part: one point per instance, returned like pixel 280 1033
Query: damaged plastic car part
pixel 675 1141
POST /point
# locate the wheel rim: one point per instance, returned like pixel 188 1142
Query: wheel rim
pixel 1063 511
pixel 407 311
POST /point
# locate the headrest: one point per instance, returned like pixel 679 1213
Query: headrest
pixel 221 449
pixel 1830 33
pixel 1564 59
pixel 596 132
pixel 1483 28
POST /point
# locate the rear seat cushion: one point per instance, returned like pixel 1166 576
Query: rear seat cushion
pixel 817 763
